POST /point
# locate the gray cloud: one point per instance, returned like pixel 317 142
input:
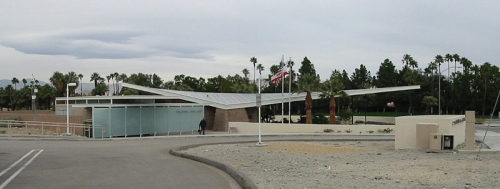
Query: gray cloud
pixel 100 44
pixel 218 37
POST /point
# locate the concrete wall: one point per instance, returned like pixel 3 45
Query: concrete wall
pixel 253 128
pixel 45 116
pixel 296 118
pixel 223 117
pixel 209 117
pixel 406 128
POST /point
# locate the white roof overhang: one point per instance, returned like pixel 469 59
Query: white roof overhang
pixel 245 100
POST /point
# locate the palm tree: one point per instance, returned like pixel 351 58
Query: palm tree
pixel 260 68
pixel 308 83
pixel 429 101
pixel 332 88
pixel 80 76
pixel 95 77
pixel 58 81
pixel 456 58
pixel 246 72
pixel 24 82
pixel 14 82
pixel 466 63
pixel 254 61
pixel 71 77
pixel 448 58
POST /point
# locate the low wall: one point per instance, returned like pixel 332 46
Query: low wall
pixel 253 128
pixel 391 120
pixel 45 116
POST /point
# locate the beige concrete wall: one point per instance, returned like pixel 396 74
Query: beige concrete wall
pixel 406 128
pixel 223 117
pixel 253 128
pixel 296 118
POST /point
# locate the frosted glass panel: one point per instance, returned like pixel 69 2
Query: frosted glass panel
pixel 184 118
pixel 161 114
pixel 133 121
pixel 101 117
pixel 147 120
pixel 118 121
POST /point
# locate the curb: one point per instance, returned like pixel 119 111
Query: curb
pixel 240 178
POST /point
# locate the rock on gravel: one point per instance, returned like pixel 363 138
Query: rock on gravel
pixel 366 164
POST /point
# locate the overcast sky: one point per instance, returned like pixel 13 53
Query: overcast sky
pixel 210 38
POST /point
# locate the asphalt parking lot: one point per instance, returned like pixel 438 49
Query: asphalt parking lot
pixel 117 163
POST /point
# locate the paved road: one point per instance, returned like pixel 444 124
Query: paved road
pixel 119 163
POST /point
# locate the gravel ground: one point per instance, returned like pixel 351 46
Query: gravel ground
pixel 366 164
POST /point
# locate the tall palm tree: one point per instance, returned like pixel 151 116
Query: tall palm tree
pixel 24 82
pixel 308 83
pixel 245 72
pixel 254 61
pixel 58 81
pixel 95 77
pixel 80 76
pixel 456 58
pixel 466 64
pixel 260 68
pixel 14 82
pixel 331 89
pixel 448 58
pixel 71 77
pixel 429 102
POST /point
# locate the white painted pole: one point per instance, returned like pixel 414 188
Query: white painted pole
pixel 282 95
pixel 290 94
pixel 260 131
pixel 67 109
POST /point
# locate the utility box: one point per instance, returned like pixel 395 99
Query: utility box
pixel 435 141
pixel 447 142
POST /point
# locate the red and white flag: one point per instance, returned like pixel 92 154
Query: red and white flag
pixel 282 72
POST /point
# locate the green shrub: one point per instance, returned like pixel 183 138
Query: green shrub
pixel 348 131
pixel 328 130
pixel 320 119
pixel 386 130
pixel 3 131
pixel 345 116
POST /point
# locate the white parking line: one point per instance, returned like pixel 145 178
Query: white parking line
pixel 15 163
pixel 20 169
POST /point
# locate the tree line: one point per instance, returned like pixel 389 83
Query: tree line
pixel 463 85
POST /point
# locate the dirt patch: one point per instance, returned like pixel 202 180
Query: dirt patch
pixel 355 165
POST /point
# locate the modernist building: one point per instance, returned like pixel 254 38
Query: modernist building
pixel 172 111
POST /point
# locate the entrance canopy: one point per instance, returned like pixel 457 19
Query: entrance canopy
pixel 245 100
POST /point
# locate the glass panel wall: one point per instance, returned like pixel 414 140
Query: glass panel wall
pixel 137 121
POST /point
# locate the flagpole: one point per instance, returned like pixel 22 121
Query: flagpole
pixel 290 94
pixel 282 89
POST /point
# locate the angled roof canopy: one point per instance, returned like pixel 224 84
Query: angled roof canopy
pixel 245 100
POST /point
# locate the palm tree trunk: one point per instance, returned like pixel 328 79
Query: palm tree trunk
pixel 308 108
pixel 333 119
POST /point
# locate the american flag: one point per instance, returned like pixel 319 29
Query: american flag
pixel 282 72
